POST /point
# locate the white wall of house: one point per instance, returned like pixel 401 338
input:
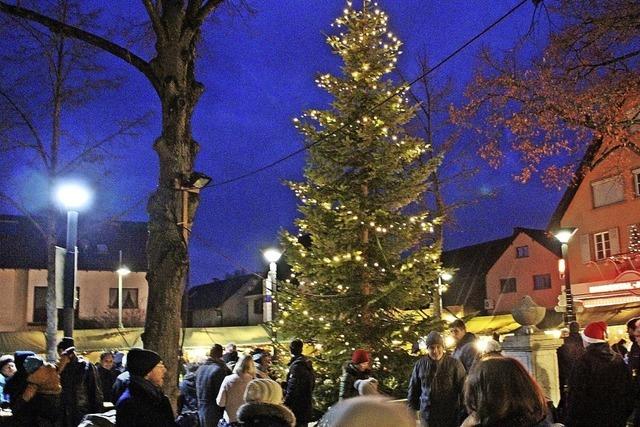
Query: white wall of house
pixel 237 310
pixel 21 289
pixel 13 293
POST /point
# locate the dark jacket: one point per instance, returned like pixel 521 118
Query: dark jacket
pixel 107 379
pixel 600 389
pixel 350 374
pixel 435 389
pixel 143 405
pixel 466 351
pixel 208 381
pixel 41 410
pixel 301 381
pixel 81 390
pixel 266 415
pixel 188 399
pixel 568 354
pixel 120 385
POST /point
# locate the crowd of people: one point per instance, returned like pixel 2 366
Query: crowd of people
pixel 467 388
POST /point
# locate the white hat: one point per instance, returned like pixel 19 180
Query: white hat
pixel 263 390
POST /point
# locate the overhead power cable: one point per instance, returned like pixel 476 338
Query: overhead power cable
pixel 374 106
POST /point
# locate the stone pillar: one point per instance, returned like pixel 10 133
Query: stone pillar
pixel 537 352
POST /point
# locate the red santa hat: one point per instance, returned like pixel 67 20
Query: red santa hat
pixel 595 332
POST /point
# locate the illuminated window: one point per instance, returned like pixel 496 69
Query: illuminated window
pixel 602 245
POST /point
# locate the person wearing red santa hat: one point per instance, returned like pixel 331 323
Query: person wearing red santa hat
pixel 600 386
pixel 359 368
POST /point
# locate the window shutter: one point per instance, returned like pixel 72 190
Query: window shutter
pixel 585 248
pixel 614 241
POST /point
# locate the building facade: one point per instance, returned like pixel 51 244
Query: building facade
pixel 23 274
pixel 604 206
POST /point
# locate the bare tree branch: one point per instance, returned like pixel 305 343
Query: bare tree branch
pixel 158 28
pixel 39 147
pixel 205 10
pixel 95 40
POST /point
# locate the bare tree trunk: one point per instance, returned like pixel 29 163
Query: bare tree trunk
pixel 167 246
pixel 176 25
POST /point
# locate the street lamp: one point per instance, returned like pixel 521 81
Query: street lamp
pixel 72 196
pixel 437 306
pixel 121 271
pixel 564 235
pixel 272 256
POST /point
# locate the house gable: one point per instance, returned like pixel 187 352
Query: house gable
pixel 529 266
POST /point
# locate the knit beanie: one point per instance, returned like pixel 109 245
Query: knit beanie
pixel 492 346
pixel 434 338
pixel 366 387
pixel 32 363
pixel 595 332
pixel 140 361
pixel 370 411
pixel 65 343
pixel 7 358
pixel 360 356
pixel 263 390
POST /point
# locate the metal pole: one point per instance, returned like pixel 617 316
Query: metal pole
pixel 120 325
pixel 70 268
pixel 569 314
pixel 437 303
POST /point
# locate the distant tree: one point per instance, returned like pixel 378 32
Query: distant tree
pixel 176 26
pixel 581 88
pixel 371 261
pixel 46 76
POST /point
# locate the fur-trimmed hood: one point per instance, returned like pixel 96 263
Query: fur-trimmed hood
pixel 250 411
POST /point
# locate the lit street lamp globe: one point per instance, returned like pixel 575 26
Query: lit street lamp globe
pixel 272 255
pixel 72 195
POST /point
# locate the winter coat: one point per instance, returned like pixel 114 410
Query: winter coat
pixel 471 421
pixel 466 351
pixel 107 380
pixel 143 405
pixel 600 389
pixel 119 386
pixel 435 389
pixel 209 378
pixel 568 353
pixel 231 394
pixel 266 415
pixel 188 399
pixel 350 374
pixel 300 384
pixel 81 390
pixel 30 408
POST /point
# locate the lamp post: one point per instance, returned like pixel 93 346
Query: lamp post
pixel 437 307
pixel 72 196
pixel 564 235
pixel 121 271
pixel 270 286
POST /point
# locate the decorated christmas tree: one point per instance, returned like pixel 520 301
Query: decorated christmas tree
pixel 365 261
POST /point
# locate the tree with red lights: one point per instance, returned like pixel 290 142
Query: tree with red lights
pixel 581 88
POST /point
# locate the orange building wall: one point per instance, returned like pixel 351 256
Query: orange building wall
pixel 589 220
pixel 540 261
